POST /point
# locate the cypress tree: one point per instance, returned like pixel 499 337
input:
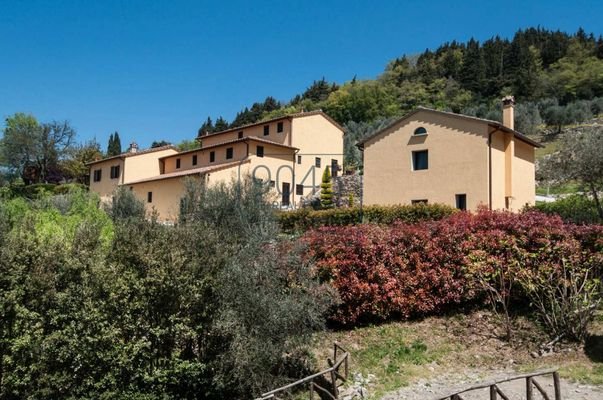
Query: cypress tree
pixel 117 144
pixel 473 70
pixel 110 146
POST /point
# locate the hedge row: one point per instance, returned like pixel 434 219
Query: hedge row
pixel 413 270
pixel 303 219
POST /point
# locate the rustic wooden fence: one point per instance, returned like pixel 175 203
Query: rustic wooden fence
pixel 531 384
pixel 325 383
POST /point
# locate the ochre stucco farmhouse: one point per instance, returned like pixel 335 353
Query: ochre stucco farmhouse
pixel 290 153
pixel 440 157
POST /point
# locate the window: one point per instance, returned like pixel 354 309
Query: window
pixel 97 175
pixel 229 153
pixel 299 190
pixel 461 201
pixel 317 162
pixel 194 159
pixel 422 201
pixel 272 184
pixel 241 135
pixel 419 160
pixel 149 197
pixel 334 168
pixel 266 130
pixel 279 127
pixel 259 151
pixel 299 159
pixel 115 171
pixel 212 156
pixel 177 163
pixel 420 131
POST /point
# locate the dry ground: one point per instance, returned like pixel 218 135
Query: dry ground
pixel 423 358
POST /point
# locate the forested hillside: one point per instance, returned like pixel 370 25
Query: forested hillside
pixel 556 77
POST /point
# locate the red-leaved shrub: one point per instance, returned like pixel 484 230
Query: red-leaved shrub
pixel 406 270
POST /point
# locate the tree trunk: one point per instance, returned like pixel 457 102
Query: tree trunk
pixel 593 189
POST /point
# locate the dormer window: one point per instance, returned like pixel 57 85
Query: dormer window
pixel 420 131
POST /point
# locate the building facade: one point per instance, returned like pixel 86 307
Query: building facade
pixel 440 157
pixel 289 153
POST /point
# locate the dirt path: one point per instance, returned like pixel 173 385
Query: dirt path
pixel 443 385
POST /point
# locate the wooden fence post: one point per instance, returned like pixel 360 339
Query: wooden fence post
pixel 529 388
pixel 493 392
pixel 557 385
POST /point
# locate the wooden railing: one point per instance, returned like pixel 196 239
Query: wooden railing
pixel 323 383
pixel 531 384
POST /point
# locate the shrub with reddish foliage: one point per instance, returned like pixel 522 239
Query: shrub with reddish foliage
pixel 407 270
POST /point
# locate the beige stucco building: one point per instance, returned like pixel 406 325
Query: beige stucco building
pixel 441 157
pixel 289 153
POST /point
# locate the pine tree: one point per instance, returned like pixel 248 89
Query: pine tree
pixel 206 127
pixel 220 125
pixel 326 193
pixel 473 70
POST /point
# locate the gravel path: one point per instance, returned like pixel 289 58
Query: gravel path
pixel 424 389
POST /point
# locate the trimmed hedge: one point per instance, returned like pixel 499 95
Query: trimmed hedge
pixel 304 219
pixel 576 208
pixel 413 270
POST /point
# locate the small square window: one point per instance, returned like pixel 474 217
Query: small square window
pixel 266 130
pixel 229 153
pixel 241 135
pixel 194 159
pixel 279 127
pixel 149 197
pixel 212 156
pixel 299 190
pixel 419 160
pixel 421 201
pixel 260 151
pixel 317 162
pixel 177 163
pixel 272 184
pixel 461 201
pixel 97 175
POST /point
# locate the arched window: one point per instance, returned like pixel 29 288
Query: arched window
pixel 420 131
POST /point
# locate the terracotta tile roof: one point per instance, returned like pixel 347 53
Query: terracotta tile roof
pixel 193 171
pixel 288 116
pixel 494 124
pixel 243 139
pixel 138 153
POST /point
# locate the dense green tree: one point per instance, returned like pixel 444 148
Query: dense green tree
pixel 35 150
pixel 579 159
pixel 18 147
pixel 206 127
pixel 220 125
pixel 472 73
pixel 159 143
pixel 114 145
pixel 74 165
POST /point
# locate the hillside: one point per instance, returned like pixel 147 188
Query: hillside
pixel 556 77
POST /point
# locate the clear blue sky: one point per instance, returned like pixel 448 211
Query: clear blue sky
pixel 155 70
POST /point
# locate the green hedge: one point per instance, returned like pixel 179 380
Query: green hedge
pixel 575 208
pixel 304 219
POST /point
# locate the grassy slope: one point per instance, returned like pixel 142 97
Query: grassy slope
pixel 399 353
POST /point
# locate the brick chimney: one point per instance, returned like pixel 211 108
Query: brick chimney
pixel 508 105
pixel 133 147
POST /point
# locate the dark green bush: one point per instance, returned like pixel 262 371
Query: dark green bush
pixel 304 219
pixel 575 208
